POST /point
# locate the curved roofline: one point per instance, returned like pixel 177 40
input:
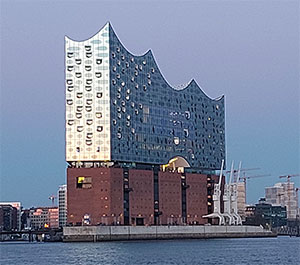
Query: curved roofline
pixel 90 37
pixel 152 56
pixel 169 85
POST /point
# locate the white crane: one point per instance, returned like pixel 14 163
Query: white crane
pixel 217 200
pixel 234 197
pixel 229 218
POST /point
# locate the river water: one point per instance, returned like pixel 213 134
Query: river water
pixel 246 251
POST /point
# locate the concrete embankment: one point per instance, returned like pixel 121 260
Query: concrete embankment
pixel 114 233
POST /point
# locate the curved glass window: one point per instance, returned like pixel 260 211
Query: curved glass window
pixel 69 101
pixel 88 55
pixel 88 108
pixel 88 67
pixel 78 61
pixel 99 128
pixel 70 54
pixel 70 88
pixel 79 128
pixel 88 142
pixel 70 122
pixel 99 95
pixel 79 108
pixel 89 101
pixel 70 68
pixel 88 48
pixel 98 61
pixel 98 115
pixel 78 115
pixel 98 74
pixel 69 81
pixel 78 75
pixel 88 88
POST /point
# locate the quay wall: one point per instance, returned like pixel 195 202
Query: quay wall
pixel 115 233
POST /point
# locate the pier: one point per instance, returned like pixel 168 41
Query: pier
pixel 115 233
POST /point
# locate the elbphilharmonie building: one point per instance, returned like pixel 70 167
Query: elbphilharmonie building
pixel 121 114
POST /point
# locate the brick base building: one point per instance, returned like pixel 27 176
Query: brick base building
pixel 125 196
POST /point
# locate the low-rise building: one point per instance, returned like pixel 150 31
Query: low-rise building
pixel 265 214
pixel 43 217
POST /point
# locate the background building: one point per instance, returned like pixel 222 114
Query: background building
pixel 62 205
pixel 265 214
pixel 43 217
pixel 138 150
pixel 241 199
pixel 8 217
pixel 283 194
pixel 18 207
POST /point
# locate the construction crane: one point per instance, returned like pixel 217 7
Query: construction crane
pixel 52 198
pixel 244 179
pixel 243 169
pixel 288 177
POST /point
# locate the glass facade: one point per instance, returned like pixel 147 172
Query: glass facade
pixel 152 122
pixel 120 108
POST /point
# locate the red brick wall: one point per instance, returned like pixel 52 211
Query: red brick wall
pixel 141 199
pixel 107 190
pixel 196 198
pixel 170 197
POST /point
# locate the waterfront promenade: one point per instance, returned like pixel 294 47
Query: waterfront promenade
pixel 113 233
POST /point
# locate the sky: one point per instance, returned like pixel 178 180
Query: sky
pixel 245 50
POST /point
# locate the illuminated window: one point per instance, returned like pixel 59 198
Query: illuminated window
pixel 98 115
pixel 84 183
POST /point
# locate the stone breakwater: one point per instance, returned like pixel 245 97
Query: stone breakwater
pixel 115 233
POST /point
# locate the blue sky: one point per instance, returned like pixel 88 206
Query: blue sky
pixel 246 50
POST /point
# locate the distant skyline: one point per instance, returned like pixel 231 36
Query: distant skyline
pixel 246 50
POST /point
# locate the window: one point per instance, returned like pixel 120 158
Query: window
pixel 88 108
pixel 99 128
pixel 88 55
pixel 98 115
pixel 84 183
pixel 70 82
pixel 98 74
pixel 69 101
pixel 78 61
pixel 99 95
pixel 70 88
pixel 70 68
pixel 88 48
pixel 79 128
pixel 78 115
pixel 89 81
pixel 88 88
pixel 89 122
pixel 70 54
pixel 78 75
pixel 88 68
pixel 98 61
